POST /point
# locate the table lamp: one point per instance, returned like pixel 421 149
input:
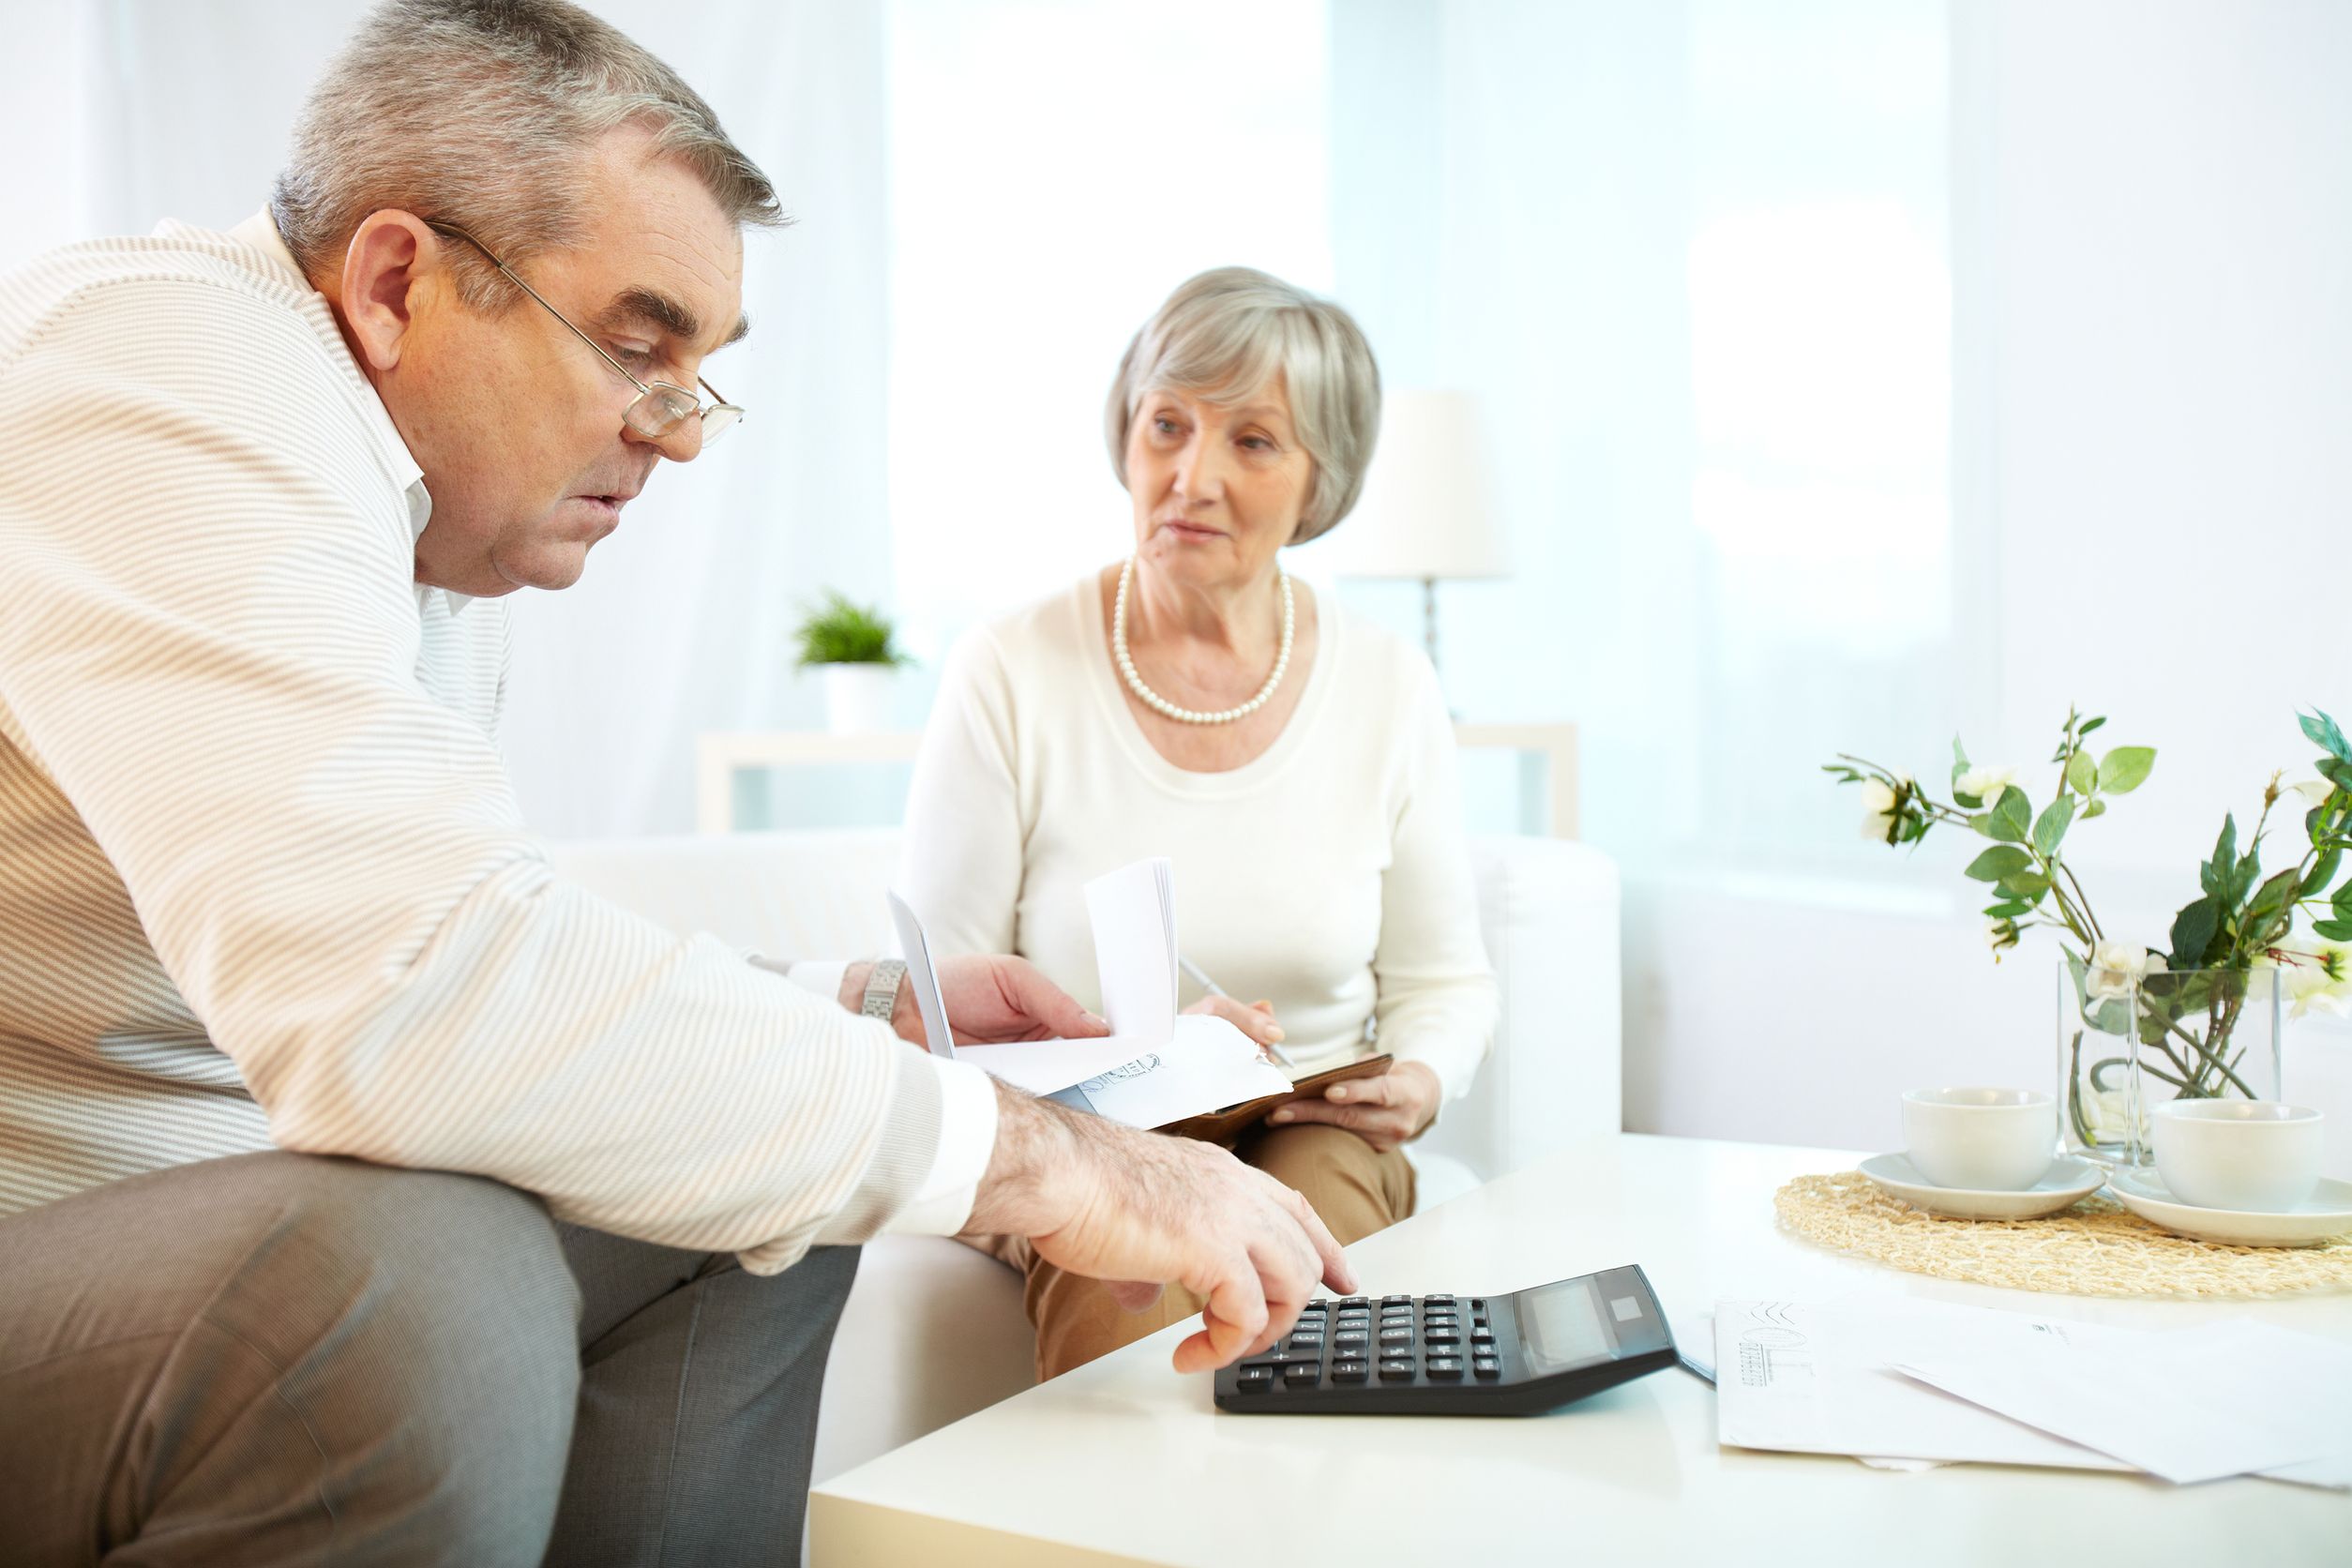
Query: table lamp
pixel 1424 513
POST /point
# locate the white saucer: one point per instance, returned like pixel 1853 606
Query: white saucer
pixel 2327 1212
pixel 2068 1180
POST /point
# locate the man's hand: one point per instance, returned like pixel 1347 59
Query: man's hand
pixel 989 1000
pixel 1384 1112
pixel 1116 1204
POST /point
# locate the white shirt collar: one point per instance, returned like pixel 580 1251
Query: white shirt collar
pixel 259 233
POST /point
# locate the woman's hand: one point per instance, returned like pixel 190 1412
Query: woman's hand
pixel 1255 1020
pixel 1384 1112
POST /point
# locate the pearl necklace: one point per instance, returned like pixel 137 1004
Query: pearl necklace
pixel 1159 704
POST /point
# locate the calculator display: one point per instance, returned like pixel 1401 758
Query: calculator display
pixel 1561 1326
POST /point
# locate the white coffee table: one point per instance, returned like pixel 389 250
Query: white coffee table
pixel 1125 1462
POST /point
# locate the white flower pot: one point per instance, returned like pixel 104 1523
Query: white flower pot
pixel 858 698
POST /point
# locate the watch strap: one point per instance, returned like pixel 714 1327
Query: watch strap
pixel 882 988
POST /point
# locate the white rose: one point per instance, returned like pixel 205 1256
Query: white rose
pixel 1877 825
pixel 2314 790
pixel 1985 784
pixel 1999 934
pixel 2318 978
pixel 2115 967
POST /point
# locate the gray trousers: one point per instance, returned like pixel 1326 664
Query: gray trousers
pixel 281 1359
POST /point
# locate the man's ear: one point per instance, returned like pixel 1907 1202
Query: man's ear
pixel 391 254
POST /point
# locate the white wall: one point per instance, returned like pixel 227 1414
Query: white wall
pixel 2153 382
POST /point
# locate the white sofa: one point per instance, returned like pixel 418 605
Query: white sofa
pixel 934 1329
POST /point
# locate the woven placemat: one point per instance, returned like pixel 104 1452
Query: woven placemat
pixel 2095 1248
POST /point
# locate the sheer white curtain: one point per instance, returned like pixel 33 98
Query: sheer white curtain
pixel 146 109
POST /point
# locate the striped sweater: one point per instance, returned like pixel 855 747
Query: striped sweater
pixel 263 882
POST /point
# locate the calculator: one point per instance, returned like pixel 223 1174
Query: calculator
pixel 1519 1354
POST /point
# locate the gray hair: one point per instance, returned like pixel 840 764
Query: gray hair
pixel 481 114
pixel 1223 335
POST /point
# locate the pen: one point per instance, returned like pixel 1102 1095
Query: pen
pixel 1200 978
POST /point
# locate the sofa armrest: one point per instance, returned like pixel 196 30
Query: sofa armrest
pixel 1548 910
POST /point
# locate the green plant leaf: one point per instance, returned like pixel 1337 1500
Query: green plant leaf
pixel 2324 732
pixel 2028 885
pixel 2049 829
pixel 2013 816
pixel 841 632
pixel 2082 774
pixel 2192 931
pixel 2089 725
pixel 2008 909
pixel 2001 860
pixel 1983 822
pixel 2334 931
pixel 2214 874
pixel 2268 901
pixel 1959 760
pixel 2126 768
pixel 2096 809
pixel 2336 771
pixel 2323 871
pixel 2342 902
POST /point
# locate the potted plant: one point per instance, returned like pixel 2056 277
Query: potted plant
pixel 854 646
pixel 2198 1017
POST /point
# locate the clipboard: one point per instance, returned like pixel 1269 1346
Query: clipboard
pixel 1217 1126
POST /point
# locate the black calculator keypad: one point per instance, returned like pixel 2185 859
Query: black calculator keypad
pixel 1431 1355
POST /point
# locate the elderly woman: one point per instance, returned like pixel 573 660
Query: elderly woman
pixel 1293 760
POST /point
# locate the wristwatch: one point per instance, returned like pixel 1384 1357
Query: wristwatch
pixel 882 988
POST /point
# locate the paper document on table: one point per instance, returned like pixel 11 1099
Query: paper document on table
pixel 2188 1405
pixel 2009 1388
pixel 1812 1379
pixel 1155 1067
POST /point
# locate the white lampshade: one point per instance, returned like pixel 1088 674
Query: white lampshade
pixel 1425 512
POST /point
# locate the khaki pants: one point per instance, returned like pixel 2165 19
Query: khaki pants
pixel 1355 1190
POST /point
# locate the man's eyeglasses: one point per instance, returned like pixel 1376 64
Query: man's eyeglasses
pixel 659 408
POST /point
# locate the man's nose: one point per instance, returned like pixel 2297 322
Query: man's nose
pixel 682 443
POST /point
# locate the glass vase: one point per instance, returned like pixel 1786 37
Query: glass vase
pixel 2129 1043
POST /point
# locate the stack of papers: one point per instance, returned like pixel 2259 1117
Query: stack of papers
pixel 1156 1067
pixel 1893 1380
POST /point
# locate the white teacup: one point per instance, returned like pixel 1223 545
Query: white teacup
pixel 1981 1140
pixel 2255 1156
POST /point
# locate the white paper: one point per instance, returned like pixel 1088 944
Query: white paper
pixel 2010 1388
pixel 1155 1067
pixel 2191 1405
pixel 1133 913
pixel 1206 1065
pixel 1812 1379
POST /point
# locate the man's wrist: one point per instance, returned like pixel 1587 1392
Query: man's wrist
pixel 853 978
pixel 906 1018
pixel 1033 1171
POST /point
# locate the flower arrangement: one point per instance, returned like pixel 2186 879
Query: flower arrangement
pixel 2182 1003
pixel 841 632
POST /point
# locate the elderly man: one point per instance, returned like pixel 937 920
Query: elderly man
pixel 370 1195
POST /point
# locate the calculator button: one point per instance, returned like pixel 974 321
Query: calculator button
pixel 1356 1301
pixel 1397 1337
pixel 1343 1343
pixel 1439 1301
pixel 1487 1367
pixel 1478 1304
pixel 1391 1371
pixel 1441 1336
pixel 1441 1320
pixel 1349 1371
pixel 1254 1379
pixel 1395 1301
pixel 1264 1358
pixel 1444 1367
pixel 1300 1374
